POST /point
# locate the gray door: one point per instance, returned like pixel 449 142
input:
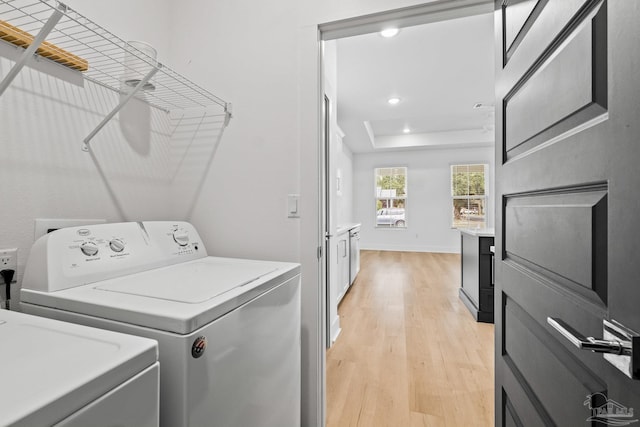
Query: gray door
pixel 568 217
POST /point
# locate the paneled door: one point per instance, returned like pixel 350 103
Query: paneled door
pixel 568 214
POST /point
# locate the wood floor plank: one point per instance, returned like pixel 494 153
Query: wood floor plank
pixel 410 353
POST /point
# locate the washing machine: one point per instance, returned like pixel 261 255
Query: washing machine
pixel 60 374
pixel 228 329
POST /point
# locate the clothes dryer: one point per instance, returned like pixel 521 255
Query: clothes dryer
pixel 65 375
pixel 228 329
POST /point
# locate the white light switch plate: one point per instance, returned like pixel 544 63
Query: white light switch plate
pixel 293 205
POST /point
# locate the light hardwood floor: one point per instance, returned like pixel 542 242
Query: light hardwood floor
pixel 410 354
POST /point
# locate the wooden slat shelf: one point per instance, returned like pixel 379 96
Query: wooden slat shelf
pixel 18 37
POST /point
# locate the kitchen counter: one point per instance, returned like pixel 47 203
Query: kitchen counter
pixel 476 287
pixel 346 244
pixel 343 228
pixel 479 232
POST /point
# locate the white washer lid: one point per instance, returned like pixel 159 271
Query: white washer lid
pixel 191 283
pixel 51 369
pixel 178 298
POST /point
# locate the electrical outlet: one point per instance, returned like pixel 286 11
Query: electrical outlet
pixel 9 260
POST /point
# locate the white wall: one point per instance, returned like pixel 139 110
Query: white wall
pixel 245 52
pixel 263 57
pixel 344 202
pixel 256 165
pixel 45 116
pixel 249 53
pixel 429 208
pixel 145 20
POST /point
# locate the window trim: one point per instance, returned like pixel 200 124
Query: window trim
pixel 403 197
pixel 485 196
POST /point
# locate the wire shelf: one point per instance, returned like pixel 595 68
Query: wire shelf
pixel 112 62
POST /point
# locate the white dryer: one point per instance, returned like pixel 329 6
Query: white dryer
pixel 228 329
pixel 60 374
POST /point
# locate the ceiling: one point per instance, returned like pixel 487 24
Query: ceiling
pixel 438 70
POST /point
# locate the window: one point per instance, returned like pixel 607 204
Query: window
pixel 391 197
pixel 469 198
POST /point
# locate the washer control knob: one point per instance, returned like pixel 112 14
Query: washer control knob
pixel 181 237
pixel 89 248
pixel 116 245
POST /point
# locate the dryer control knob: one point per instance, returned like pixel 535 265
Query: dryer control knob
pixel 181 237
pixel 116 245
pixel 89 248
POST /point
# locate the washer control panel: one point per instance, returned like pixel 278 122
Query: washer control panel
pixel 91 245
pixel 181 237
pixel 117 245
pixel 89 248
pixel 81 255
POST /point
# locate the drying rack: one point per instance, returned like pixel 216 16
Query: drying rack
pixel 109 59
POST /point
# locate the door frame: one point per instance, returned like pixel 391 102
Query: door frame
pixel 439 10
pixel 325 204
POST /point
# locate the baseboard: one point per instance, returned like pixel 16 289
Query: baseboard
pixel 335 329
pixel 478 315
pixel 411 248
pixel 471 305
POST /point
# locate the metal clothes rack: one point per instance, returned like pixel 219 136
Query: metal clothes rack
pixel 109 59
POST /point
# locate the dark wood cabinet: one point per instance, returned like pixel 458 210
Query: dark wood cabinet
pixel 476 288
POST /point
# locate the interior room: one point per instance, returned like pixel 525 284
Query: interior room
pixel 417 101
pixel 444 79
pixel 206 205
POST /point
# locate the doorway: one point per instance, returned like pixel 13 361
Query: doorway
pixel 335 32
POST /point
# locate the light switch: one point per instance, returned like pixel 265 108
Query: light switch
pixel 293 205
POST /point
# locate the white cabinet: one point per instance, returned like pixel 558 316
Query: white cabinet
pixel 354 248
pixel 343 264
pixel 340 274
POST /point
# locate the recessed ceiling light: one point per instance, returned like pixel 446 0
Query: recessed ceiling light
pixel 389 32
pixel 406 130
pixel 393 101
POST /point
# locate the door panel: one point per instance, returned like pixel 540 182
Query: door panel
pixel 541 26
pixel 576 246
pixel 520 403
pixel 527 353
pixel 511 419
pixel 567 180
pixel 516 15
pixel 572 73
